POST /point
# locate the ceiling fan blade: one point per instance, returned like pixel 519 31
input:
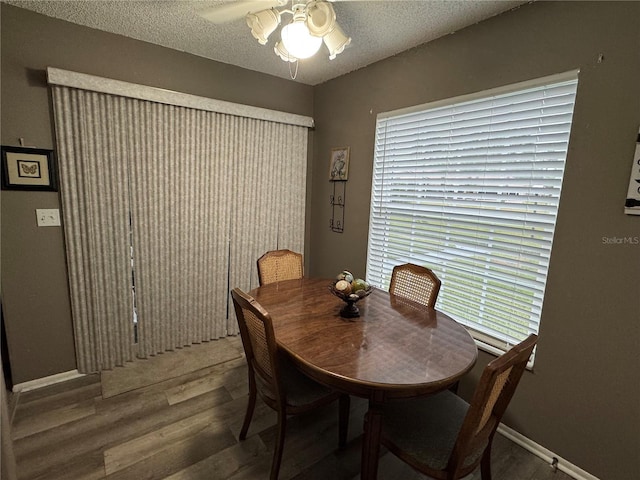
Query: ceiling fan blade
pixel 230 11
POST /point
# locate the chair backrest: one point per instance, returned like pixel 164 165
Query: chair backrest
pixel 279 265
pixel 259 342
pixel 416 283
pixel 490 400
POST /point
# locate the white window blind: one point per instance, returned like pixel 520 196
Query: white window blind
pixel 471 190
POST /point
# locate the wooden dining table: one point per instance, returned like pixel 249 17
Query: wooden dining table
pixel 396 348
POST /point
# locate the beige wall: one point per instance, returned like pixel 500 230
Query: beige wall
pixel 581 401
pixel 35 295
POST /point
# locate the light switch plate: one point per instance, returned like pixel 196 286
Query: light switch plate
pixel 48 217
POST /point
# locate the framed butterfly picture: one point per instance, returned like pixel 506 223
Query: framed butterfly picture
pixel 28 169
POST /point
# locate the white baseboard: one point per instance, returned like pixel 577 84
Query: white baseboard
pixel 45 381
pixel 539 451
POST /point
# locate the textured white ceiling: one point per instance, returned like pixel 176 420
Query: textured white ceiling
pixel 379 29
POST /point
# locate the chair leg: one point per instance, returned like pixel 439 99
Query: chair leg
pixel 277 453
pixel 343 422
pixel 485 463
pixel 250 407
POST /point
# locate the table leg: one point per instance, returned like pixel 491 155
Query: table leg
pixel 371 441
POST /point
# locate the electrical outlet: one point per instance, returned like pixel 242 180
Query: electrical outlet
pixel 48 217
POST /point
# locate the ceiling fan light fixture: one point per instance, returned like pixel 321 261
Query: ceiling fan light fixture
pixel 321 18
pixel 263 24
pixel 282 52
pixel 297 39
pixel 336 41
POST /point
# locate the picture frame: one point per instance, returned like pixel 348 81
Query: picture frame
pixel 26 168
pixel 632 202
pixel 339 165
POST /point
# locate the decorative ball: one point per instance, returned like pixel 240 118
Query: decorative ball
pixel 343 286
pixel 358 284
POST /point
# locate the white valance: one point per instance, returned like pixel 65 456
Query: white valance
pixel 84 81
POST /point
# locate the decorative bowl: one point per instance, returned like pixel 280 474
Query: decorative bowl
pixel 350 310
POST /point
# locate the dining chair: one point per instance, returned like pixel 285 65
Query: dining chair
pixel 278 382
pixel 447 438
pixel 416 283
pixel 278 265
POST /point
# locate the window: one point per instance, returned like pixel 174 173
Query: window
pixel 470 188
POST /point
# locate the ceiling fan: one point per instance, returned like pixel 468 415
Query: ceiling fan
pixel 313 22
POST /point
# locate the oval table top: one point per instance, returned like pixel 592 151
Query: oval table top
pixel 395 348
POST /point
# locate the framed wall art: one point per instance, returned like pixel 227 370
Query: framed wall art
pixel 632 203
pixel 339 166
pixel 28 169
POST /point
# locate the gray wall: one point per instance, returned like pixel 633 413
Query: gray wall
pixel 581 401
pixel 35 296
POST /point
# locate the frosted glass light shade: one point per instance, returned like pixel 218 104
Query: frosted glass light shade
pixel 321 18
pixel 263 24
pixel 336 41
pixel 282 52
pixel 298 41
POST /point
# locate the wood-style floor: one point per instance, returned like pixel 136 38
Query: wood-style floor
pixel 186 428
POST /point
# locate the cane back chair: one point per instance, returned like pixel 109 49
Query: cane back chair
pixel 446 438
pixel 278 382
pixel 279 265
pixel 416 283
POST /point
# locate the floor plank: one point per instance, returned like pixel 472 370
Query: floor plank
pixel 225 463
pixel 178 455
pixel 46 419
pixel 128 453
pixel 225 374
pixel 187 428
pixel 144 372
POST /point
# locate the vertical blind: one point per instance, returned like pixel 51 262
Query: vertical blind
pixel 95 199
pixel 173 201
pixel 471 189
pixel 180 222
